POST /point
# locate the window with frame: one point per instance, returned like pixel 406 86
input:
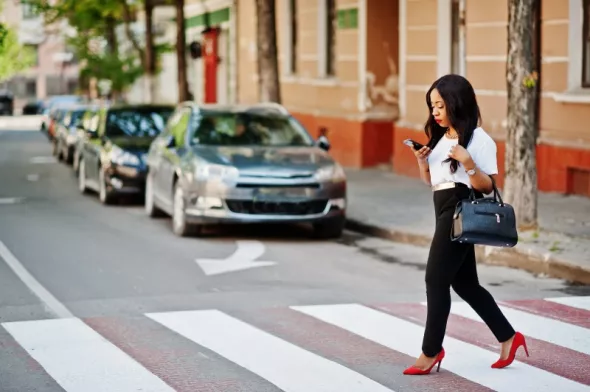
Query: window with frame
pixel 586 44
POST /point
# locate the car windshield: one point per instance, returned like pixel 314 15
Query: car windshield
pixel 249 128
pixel 76 118
pixel 137 122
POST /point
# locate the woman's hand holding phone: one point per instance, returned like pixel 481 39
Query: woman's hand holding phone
pixel 422 155
pixel 420 151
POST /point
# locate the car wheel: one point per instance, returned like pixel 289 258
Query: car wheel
pixel 68 155
pixel 180 226
pixel 104 195
pixel 82 177
pixel 150 208
pixel 76 162
pixel 56 148
pixel 329 229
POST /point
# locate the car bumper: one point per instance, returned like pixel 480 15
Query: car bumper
pixel 212 204
pixel 125 179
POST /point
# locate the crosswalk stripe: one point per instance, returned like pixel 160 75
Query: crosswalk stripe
pixel 553 310
pixel 80 359
pixel 287 366
pixel 463 359
pixel 543 328
pixel 576 302
pixel 544 355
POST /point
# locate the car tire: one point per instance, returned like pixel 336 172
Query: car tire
pixel 70 156
pixel 180 226
pixel 76 162
pixel 330 228
pixel 82 187
pixel 105 196
pixel 56 149
pixel 150 206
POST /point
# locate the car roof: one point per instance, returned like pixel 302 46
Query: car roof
pixel 140 106
pixel 269 107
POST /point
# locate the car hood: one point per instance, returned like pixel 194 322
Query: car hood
pixel 283 162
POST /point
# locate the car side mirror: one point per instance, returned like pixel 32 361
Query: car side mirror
pixel 323 143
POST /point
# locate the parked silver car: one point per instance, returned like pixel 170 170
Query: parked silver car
pixel 243 164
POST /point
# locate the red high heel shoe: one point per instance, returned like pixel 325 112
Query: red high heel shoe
pixel 516 343
pixel 415 371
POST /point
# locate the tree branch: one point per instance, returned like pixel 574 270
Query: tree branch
pixel 129 33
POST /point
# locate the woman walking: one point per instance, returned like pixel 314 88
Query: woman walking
pixel 459 155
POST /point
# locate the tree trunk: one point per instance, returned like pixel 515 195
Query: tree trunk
pixel 183 93
pixel 111 36
pixel 113 48
pixel 268 67
pixel 520 188
pixel 149 54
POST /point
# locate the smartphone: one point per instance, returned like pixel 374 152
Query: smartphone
pixel 413 144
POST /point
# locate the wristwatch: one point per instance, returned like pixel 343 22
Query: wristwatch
pixel 471 172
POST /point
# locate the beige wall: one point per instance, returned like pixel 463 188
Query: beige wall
pixel 382 43
pixel 564 123
pixel 306 91
pixel 420 57
pixel 486 59
pixel 247 72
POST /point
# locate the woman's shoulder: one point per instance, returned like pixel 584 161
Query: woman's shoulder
pixel 481 137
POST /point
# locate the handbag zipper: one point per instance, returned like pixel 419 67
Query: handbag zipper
pixel 490 214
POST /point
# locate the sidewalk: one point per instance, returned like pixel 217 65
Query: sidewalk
pixel 400 208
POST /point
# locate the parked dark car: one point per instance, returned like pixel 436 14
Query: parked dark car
pixel 66 132
pixel 50 104
pixel 243 164
pixel 112 154
pixel 6 103
pixel 35 107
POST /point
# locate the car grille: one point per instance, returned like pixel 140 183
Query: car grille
pixel 277 208
pixel 314 185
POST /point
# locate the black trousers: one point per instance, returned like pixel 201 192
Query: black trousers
pixel 451 264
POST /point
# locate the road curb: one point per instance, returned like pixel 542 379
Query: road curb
pixel 534 262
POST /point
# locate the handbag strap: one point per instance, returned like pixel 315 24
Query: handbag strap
pixel 497 195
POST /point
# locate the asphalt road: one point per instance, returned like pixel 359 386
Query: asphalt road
pixel 96 298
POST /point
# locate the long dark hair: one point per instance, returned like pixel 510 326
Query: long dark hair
pixel 462 111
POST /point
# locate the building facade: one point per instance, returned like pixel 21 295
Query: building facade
pixel 55 71
pixel 469 37
pixel 359 70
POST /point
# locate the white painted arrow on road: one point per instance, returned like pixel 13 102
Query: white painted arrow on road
pixel 243 258
pixel 10 200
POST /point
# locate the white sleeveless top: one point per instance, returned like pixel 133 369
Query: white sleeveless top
pixel 483 152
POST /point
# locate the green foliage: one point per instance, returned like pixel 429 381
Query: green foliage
pixel 94 22
pixel 3 33
pixel 14 58
pixel 121 69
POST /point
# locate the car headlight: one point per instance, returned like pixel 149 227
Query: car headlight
pixel 122 157
pixel 333 173
pixel 207 171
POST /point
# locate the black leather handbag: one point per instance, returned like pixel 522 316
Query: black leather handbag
pixel 485 221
